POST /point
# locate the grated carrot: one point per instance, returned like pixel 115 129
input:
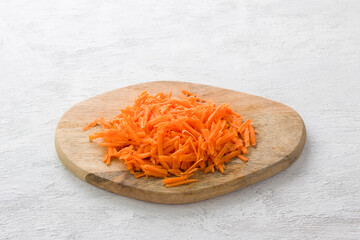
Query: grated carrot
pixel 161 136
pixel 242 157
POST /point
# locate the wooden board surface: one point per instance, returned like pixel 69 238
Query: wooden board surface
pixel 280 140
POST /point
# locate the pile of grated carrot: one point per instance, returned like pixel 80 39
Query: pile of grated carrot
pixel 161 136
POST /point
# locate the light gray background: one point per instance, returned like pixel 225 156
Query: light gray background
pixel 305 54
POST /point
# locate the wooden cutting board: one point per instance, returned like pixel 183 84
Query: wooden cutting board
pixel 280 140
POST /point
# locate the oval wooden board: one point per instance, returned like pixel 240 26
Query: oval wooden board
pixel 280 140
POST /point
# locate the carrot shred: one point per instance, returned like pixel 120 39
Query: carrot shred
pixel 252 136
pixel 90 125
pixel 139 174
pixel 175 172
pixel 242 157
pixel 174 180
pixel 160 136
pixel 247 137
pixel 181 182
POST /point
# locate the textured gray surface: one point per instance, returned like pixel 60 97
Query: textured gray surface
pixel 305 54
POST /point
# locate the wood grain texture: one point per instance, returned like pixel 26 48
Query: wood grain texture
pixel 280 141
